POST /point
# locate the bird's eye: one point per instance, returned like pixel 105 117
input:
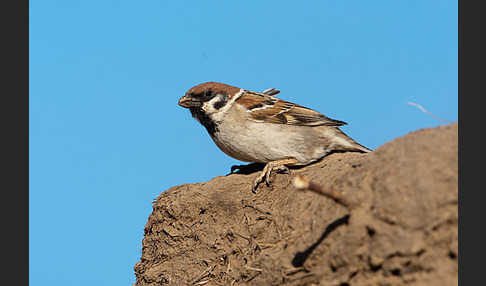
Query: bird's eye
pixel 206 95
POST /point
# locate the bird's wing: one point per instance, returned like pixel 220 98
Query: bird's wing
pixel 265 108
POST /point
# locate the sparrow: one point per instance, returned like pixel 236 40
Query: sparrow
pixel 259 127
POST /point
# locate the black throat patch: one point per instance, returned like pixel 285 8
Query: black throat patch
pixel 204 119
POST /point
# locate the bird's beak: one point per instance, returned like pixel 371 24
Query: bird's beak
pixel 186 102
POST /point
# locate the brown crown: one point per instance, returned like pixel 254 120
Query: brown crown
pixel 215 87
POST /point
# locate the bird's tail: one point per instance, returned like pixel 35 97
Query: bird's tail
pixel 362 148
pixel 348 144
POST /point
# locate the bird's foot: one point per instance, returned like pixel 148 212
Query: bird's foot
pixel 265 174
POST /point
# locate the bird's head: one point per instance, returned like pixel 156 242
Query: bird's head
pixel 209 97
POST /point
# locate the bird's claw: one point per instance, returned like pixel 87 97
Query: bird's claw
pixel 266 174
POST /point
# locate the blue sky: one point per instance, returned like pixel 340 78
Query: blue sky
pixel 107 136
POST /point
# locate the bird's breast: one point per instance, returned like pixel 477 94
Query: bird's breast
pixel 257 142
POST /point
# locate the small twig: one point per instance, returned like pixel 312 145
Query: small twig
pixel 302 183
pixel 265 245
pixel 253 277
pixel 254 269
pixel 228 269
pixel 247 205
pixel 300 277
pixel 242 236
pixel 295 271
pixel 203 274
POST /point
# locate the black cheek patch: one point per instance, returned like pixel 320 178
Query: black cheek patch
pixel 221 103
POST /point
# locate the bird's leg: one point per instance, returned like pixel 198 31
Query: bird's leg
pixel 278 166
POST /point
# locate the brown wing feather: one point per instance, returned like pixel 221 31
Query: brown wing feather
pixel 265 108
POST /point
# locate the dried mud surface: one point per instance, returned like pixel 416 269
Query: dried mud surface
pixel 403 231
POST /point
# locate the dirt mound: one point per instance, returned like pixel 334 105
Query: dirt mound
pixel 402 230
